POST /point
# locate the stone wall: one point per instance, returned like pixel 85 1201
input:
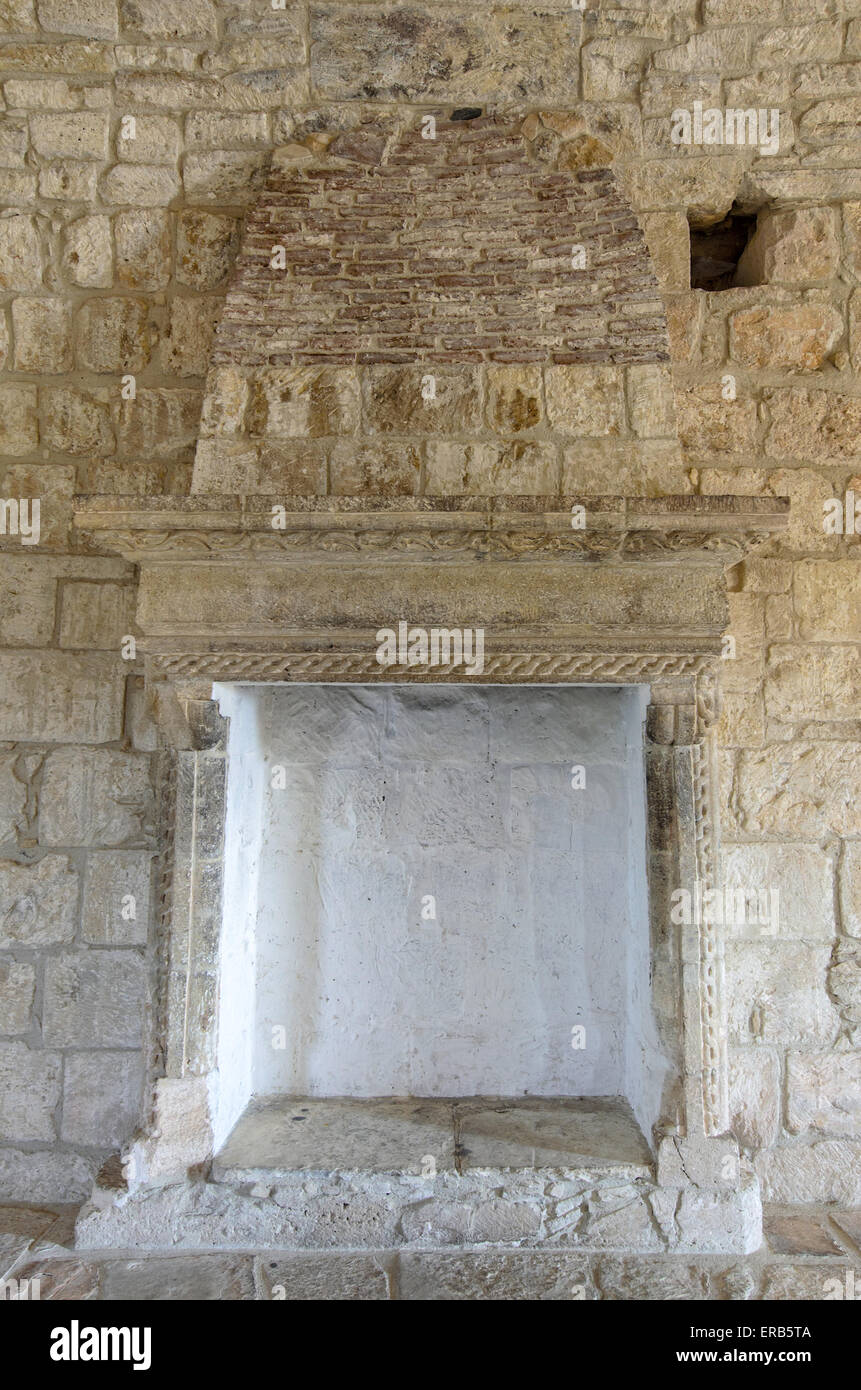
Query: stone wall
pixel 114 257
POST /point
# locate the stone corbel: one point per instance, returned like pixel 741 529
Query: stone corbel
pixel 187 715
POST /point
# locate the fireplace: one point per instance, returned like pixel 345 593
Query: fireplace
pixel 351 1044
pixel 435 891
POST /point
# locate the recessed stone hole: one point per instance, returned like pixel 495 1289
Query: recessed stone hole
pixel 466 113
pixel 716 250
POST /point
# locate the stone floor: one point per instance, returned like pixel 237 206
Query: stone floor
pixel 809 1253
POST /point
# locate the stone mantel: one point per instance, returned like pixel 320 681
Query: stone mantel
pixel 296 587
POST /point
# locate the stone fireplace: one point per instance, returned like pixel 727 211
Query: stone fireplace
pixel 331 1067
pixel 437 719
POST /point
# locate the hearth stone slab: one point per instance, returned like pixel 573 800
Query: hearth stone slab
pixel 543 1133
pixel 284 1136
pixel 325 1136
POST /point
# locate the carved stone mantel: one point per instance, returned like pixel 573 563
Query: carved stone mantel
pixel 257 589
pixel 261 588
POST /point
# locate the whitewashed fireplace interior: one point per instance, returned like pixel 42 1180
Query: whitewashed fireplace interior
pixel 430 890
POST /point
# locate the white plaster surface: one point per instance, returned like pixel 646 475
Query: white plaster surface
pixel 464 793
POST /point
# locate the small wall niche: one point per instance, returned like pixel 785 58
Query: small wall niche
pixel 716 250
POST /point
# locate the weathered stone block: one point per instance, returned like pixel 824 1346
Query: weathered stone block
pixel 206 245
pixel 850 888
pixel 421 54
pixel 813 424
pixel 54 696
pixel 828 599
pixel 29 586
pixel 808 492
pixel 754 1095
pixel 113 335
pixel 95 615
pixel 827 1171
pixel 38 902
pixel 830 122
pixel 116 898
pixel 140 185
pixel 43 335
pixel 801 789
pixel 795 247
pixel 844 980
pixel 488 469
pixel 807 1281
pixel 188 343
pixel 708 422
pixel 803 877
pixel 101 1098
pixel 18 16
pixel 169 19
pixel 94 19
pixel 20 253
pixel 394 403
pixel 76 422
pixel 513 399
pixel 644 1278
pixel 493 1276
pixel 668 239
pixel 87 252
pixel 210 1278
pixel 45 1175
pixel 384 469
pixel 329 1275
pixel 812 682
pixel 13 797
pixel 17 991
pixel 143 249
pixel 71 180
pixel 777 991
pixel 824 1093
pixel 156 140
pixel 158 423
pixel 93 796
pixel 741 722
pixel 221 175
pixel 29 1092
pixel 612 68
pixel 651 401
pixel 795 337
pixel 212 129
pixel 303 402
pixel 225 402
pixel 93 999
pixel 76 135
pixel 586 400
pixel 19 429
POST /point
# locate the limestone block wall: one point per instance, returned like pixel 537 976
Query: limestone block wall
pixel 134 134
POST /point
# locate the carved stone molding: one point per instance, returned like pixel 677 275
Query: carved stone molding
pixel 627 529
pixel 510 667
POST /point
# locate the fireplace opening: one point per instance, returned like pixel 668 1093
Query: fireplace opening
pixel 434 895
